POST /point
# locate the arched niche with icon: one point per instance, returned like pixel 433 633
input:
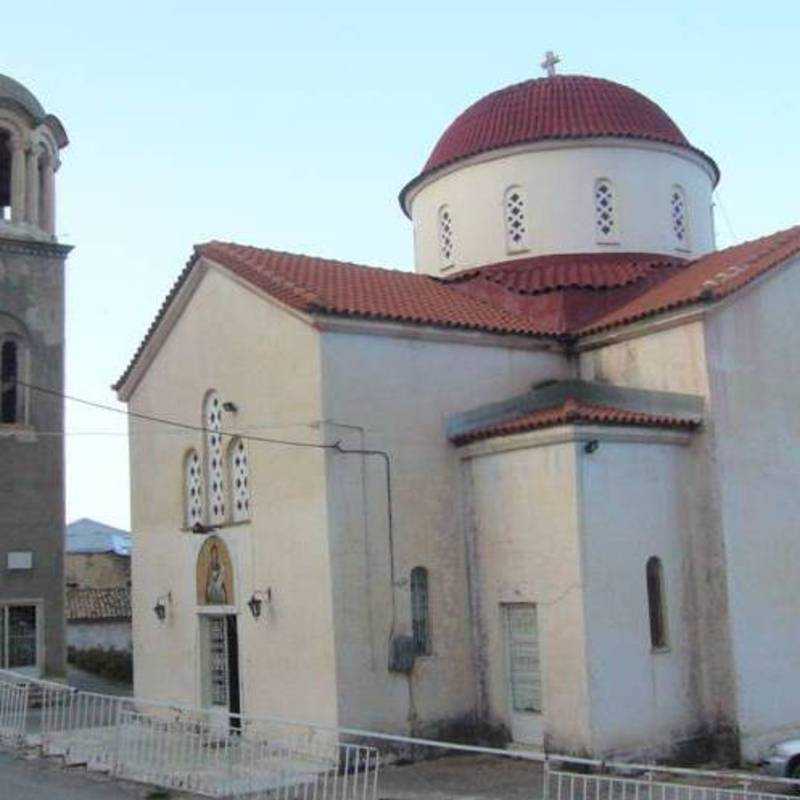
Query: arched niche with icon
pixel 215 585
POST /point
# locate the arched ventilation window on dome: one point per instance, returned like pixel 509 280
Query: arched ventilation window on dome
pixel 656 604
pixel 420 614
pixel 239 476
pixel 516 224
pixel 446 238
pixel 605 211
pixel 679 218
pixel 193 489
pixel 5 176
pixel 215 472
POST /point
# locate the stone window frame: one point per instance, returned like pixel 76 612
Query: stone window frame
pixel 12 332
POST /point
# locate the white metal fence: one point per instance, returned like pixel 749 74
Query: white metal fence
pixel 561 785
pixel 13 710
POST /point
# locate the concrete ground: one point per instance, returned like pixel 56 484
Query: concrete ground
pixel 463 777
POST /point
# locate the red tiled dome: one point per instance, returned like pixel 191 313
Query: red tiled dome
pixel 557 107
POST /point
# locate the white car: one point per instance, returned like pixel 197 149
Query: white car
pixel 783 759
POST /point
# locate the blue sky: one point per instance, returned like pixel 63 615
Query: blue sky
pixel 294 126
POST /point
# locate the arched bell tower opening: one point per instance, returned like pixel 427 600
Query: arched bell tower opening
pixel 5 176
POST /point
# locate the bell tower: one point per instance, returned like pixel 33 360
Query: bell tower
pixel 32 266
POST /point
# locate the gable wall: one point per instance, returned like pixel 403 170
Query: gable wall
pixel 752 347
pixel 397 393
pixel 267 362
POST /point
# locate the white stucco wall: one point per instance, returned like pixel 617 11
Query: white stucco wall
pixel 267 362
pixel 83 635
pixel 755 392
pixel 633 506
pixel 527 550
pixel 398 393
pixel 559 183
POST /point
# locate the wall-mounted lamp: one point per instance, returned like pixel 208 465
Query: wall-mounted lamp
pixel 256 601
pixel 160 608
pixel 230 406
pixel 591 446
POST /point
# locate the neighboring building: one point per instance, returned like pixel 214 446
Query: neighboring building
pixel 32 267
pixel 99 618
pixel 97 556
pixel 589 416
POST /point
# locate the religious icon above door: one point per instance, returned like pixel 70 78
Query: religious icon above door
pixel 214 574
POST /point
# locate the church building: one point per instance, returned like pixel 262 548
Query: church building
pixel 547 481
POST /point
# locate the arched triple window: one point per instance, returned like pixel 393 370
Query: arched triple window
pixel 239 472
pixel 516 224
pixel 215 471
pixel 193 489
pixel 446 237
pixel 420 613
pixel 679 217
pixel 605 211
pixel 12 395
pixel 656 603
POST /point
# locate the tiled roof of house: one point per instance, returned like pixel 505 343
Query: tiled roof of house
pixel 574 412
pixel 552 108
pixel 561 297
pixel 99 605
pixel 90 536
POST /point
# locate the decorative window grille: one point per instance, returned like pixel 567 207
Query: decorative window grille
pixel 605 212
pixel 215 473
pixel 446 238
pixel 524 658
pixel 239 469
pixel 656 604
pixel 193 483
pixel 9 386
pixel 516 226
pixel 680 228
pixel 420 617
pixel 219 685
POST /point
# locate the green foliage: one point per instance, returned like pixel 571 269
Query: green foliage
pixel 116 665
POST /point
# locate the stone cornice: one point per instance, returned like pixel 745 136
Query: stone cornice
pixel 34 247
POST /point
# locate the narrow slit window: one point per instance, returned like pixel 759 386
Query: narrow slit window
pixel 215 471
pixel 5 176
pixel 420 614
pixel 446 238
pixel 515 210
pixel 605 211
pixel 656 604
pixel 679 218
pixel 9 382
pixel 239 472
pixel 193 488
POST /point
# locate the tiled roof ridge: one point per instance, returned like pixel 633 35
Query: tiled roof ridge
pixel 732 275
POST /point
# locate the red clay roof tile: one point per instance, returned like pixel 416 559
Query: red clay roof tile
pixel 552 108
pixel 574 412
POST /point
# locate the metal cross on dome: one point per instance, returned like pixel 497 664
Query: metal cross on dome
pixel 549 63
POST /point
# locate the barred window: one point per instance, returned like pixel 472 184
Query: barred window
pixel 514 207
pixel 239 471
pixel 656 603
pixel 446 238
pixel 215 473
pixel 605 212
pixel 420 617
pixel 193 488
pixel 678 212
pixel 10 394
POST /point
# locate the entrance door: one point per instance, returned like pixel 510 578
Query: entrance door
pixel 222 677
pixel 524 673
